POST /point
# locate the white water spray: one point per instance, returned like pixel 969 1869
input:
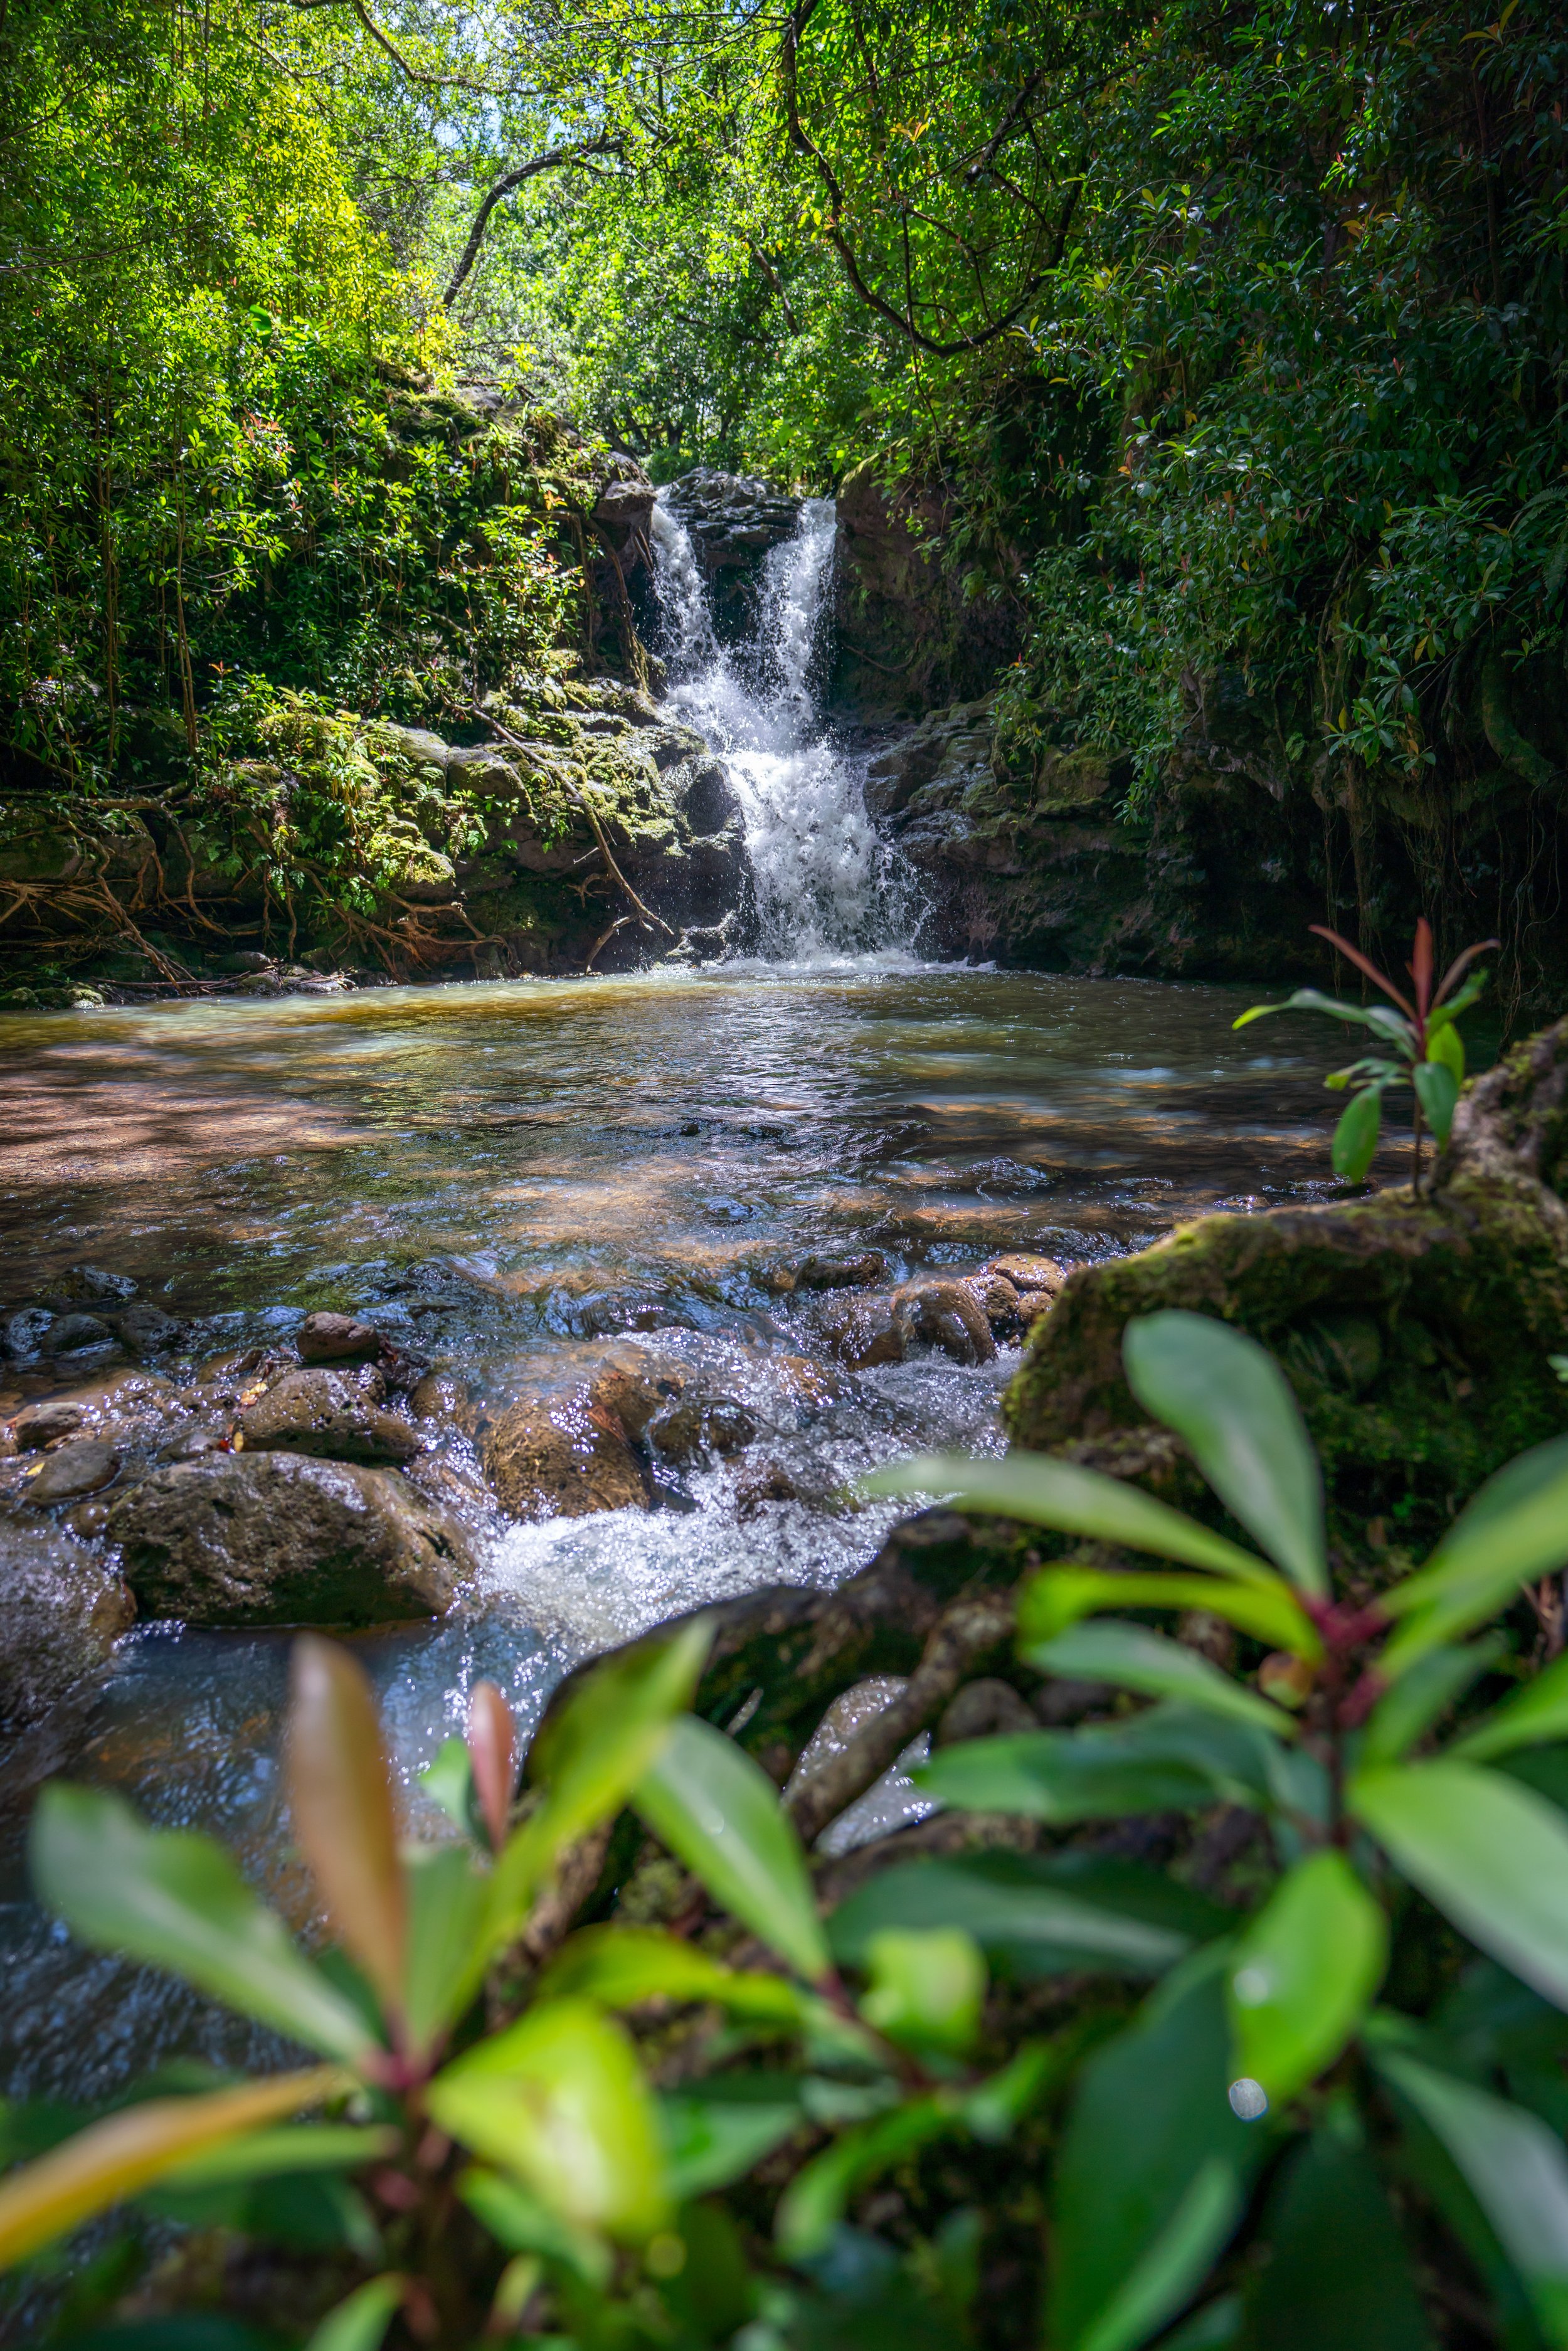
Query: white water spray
pixel 827 886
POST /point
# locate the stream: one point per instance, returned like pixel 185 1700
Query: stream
pixel 518 1180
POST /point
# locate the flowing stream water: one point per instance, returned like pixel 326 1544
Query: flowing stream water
pixel 519 1179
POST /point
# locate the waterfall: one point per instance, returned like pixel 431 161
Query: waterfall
pixel 826 885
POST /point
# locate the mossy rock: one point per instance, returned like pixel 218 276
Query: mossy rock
pixel 1416 1333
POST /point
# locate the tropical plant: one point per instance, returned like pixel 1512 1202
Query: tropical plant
pixel 1267 2049
pixel 1431 1052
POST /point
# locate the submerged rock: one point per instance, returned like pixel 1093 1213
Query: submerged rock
pixel 284 1538
pixel 884 1329
pixel 563 1460
pixel 325 1413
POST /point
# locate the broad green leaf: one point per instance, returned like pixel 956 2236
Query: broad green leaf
pixel 291 2148
pixel 1172 1759
pixel 1304 1973
pixel 1337 2276
pixel 1057 1597
pixel 717 2130
pixel 993 2108
pixel 1515 2168
pixel 360 2322
pixel 719 1813
pixel 1535 1716
pixel 116 2159
pixel 1379 1017
pixel 1491 1855
pixel 558 2098
pixel 523 2224
pixel 1043 1914
pixel 175 1900
pixel 340 1798
pixel 1130 1657
pixel 1441 1015
pixel 1407 1711
pixel 448 1780
pixel 1446 1045
pixel 1356 1136
pixel 1227 1397
pixel 1515 1530
pixel 623 1966
pixel 1153 2169
pixel 813 2203
pixel 590 1757
pixel 1438 1091
pixel 1050 1493
pixel 927 1988
pixel 448 1902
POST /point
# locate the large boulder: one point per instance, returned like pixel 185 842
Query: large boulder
pixel 283 1539
pixel 329 1414
pixel 1417 1333
pixel 565 1460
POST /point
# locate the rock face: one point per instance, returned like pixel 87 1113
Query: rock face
pixel 733 519
pixel 325 1413
pixel 1416 1333
pixel 1047 871
pixel 564 1460
pixel 908 638
pixel 278 1539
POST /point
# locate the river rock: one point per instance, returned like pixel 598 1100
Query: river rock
pixel 91 1285
pixel 633 1393
pixel 323 1412
pixel 868 1332
pixel 64 1610
pixel 38 1425
pixel 335 1338
pixel 852 1272
pixel 80 1467
pixel 1033 1304
pixel 948 1315
pixel 691 1427
pixel 284 1539
pixel 996 1299
pixel 69 1334
pixel 22 1333
pixel 1029 1273
pixel 563 1460
pixel 147 1329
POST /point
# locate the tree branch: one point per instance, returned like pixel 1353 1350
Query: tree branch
pixel 554 159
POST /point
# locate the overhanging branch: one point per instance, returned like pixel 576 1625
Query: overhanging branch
pixel 554 159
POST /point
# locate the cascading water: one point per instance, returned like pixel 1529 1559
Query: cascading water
pixel 826 885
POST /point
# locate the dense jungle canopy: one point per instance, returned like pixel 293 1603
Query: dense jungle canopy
pixel 1215 354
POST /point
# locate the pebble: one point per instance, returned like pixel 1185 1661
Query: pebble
pixel 80 1467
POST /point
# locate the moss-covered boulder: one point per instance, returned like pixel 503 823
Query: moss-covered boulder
pixel 1417 1333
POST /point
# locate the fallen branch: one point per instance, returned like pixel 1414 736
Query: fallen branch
pixel 650 919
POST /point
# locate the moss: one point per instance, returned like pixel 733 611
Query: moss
pixel 1415 1335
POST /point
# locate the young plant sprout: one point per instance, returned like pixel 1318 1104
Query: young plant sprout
pixel 1421 1033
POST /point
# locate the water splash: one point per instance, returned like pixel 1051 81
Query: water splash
pixel 827 886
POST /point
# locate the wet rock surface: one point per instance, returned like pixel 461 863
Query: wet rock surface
pixel 280 1539
pixel 323 1412
pixel 565 1460
pixel 65 1607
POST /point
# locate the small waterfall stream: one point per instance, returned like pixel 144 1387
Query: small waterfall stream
pixel 827 886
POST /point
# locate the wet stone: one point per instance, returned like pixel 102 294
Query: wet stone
pixel 80 1467
pixel 92 1285
pixel 1030 1274
pixel 238 1539
pixel 147 1329
pixel 22 1333
pixel 335 1338
pixel 64 1610
pixel 997 1301
pixel 326 1413
pixel 870 1331
pixel 1033 1304
pixel 948 1315
pixel 38 1425
pixel 986 1709
pixel 68 1335
pixel 564 1460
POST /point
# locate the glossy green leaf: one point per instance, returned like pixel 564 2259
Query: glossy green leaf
pixel 292 2148
pixel 448 1780
pixel 523 2224
pixel 1058 1597
pixel 341 1804
pixel 1407 1711
pixel 717 2130
pixel 1357 1134
pixel 1445 1044
pixel 816 2198
pixel 1131 1656
pixel 1331 2202
pixel 1514 2166
pixel 1379 1017
pixel 175 1900
pixel 623 1966
pixel 1172 1759
pixel 558 2098
pixel 360 2322
pixel 1491 1855
pixel 1304 1974
pixel 993 2108
pixel 590 1757
pixel 1042 1914
pixel 448 1904
pixel 719 1813
pixel 1050 1493
pixel 1227 1397
pixel 1438 1091
pixel 1153 2169
pixel 126 2152
pixel 927 1988
pixel 1515 1529
pixel 1535 1716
